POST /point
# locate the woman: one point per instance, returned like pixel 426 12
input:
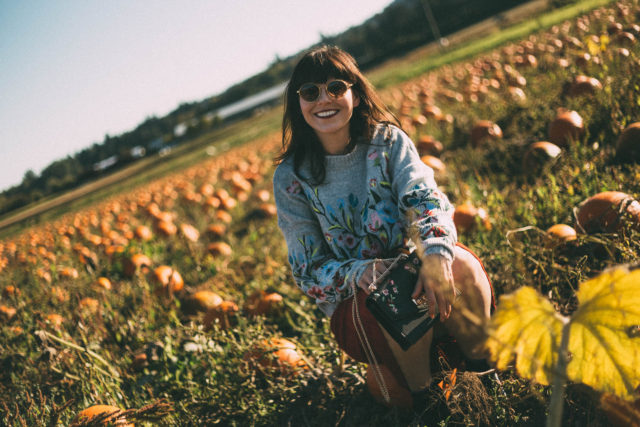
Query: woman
pixel 348 186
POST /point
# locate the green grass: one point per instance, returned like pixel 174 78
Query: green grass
pixel 390 76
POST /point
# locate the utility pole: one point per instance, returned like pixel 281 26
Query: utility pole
pixel 442 42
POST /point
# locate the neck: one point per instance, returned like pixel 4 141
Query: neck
pixel 335 144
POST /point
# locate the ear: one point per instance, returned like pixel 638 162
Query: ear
pixel 356 99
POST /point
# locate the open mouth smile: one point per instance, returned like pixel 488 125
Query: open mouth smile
pixel 326 114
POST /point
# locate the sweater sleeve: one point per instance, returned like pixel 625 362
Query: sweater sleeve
pixel 420 202
pixel 314 267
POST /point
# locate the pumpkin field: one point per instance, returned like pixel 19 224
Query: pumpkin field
pixel 172 303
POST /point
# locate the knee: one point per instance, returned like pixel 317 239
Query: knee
pixel 470 278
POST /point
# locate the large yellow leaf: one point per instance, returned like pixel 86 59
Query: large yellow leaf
pixel 526 324
pixel 603 341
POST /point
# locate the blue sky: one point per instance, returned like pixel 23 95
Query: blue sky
pixel 72 71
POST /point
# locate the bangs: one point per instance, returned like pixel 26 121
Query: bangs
pixel 319 67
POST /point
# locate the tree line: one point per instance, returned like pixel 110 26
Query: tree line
pixel 399 28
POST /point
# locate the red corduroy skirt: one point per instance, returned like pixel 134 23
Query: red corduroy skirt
pixel 343 329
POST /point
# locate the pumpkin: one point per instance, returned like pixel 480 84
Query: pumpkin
pixel 88 305
pixel 263 195
pixel 109 415
pixel 427 145
pixel 216 231
pixel 584 85
pixel 606 212
pixel 221 315
pixel 224 216
pixel 69 273
pixel 166 228
pixel 10 291
pixel 485 130
pixel 539 154
pixel 275 354
pixel 467 216
pixel 560 233
pixel 566 127
pixel 104 283
pixel 399 396
pixel 189 232
pixel 168 278
pixel 219 249
pixel 201 301
pixel 7 313
pixel 143 233
pixel 628 144
pixel 263 303
pixel 438 166
pixel 54 320
pixel 134 263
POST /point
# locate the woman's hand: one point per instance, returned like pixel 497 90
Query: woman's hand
pixel 367 277
pixel 436 282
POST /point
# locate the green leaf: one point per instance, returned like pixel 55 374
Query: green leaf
pixel 526 325
pixel 605 351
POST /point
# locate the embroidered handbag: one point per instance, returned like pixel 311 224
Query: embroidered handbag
pixel 404 318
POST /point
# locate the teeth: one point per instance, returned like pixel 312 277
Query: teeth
pixel 326 113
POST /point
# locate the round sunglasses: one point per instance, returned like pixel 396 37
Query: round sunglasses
pixel 310 92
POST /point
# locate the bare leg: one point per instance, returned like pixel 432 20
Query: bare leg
pixel 414 362
pixel 472 309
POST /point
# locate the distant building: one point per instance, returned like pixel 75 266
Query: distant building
pixel 138 151
pixel 105 164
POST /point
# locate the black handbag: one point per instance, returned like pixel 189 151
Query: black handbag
pixel 404 318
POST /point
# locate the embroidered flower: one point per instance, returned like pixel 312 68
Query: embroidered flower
pixel 316 292
pixel 387 211
pixel 295 187
pixel 373 183
pixel 375 222
pixel 373 155
pixel 349 240
pixel 328 237
pixel 385 291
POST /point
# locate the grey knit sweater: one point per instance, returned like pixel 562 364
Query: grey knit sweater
pixel 360 212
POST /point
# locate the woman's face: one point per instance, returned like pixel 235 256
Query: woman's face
pixel 328 116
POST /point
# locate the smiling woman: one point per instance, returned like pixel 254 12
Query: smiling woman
pixel 348 188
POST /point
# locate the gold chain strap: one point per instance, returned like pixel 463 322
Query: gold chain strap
pixel 362 336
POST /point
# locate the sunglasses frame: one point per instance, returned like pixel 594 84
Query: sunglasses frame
pixel 324 86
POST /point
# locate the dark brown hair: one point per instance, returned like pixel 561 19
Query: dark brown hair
pixel 298 138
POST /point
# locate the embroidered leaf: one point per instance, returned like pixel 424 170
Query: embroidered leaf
pixel 385 184
pixel 335 226
pixel 526 324
pixel 605 350
pixel 376 197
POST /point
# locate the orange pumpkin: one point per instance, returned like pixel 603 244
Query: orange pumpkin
pixel 7 313
pixel 539 154
pixel 136 262
pixel 485 130
pixel 219 249
pixel 428 145
pixel 275 354
pixel 607 211
pixel 109 415
pixel 628 144
pixel 263 303
pixel 189 232
pixel 143 233
pixel 201 301
pixel 222 314
pixel 104 283
pixel 560 233
pixel 467 216
pixel 168 278
pixel 566 127
pixel 216 231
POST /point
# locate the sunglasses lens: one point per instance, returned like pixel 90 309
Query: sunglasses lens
pixel 337 88
pixel 309 92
